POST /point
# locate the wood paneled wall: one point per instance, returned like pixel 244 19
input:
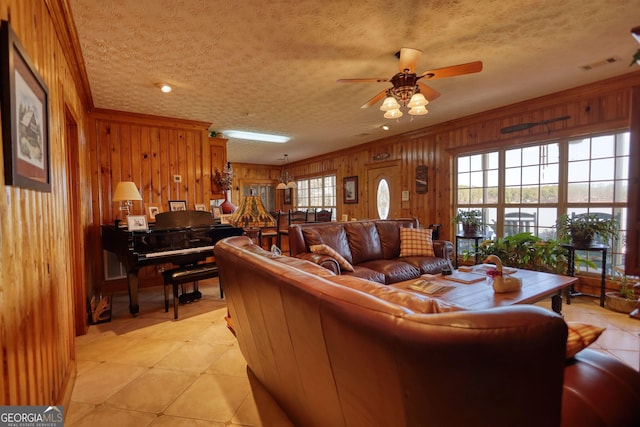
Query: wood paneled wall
pixel 598 107
pixel 36 281
pixel 149 151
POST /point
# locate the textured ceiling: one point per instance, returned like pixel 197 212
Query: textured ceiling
pixel 272 66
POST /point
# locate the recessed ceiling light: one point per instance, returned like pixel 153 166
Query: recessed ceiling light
pixel 255 136
pixel 165 88
pixel 385 127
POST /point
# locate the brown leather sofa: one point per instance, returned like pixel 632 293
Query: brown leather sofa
pixel 372 247
pixel 337 350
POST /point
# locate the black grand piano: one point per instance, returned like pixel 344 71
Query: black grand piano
pixel 181 238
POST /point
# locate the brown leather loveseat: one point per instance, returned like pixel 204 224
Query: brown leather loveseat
pixel 372 247
pixel 339 351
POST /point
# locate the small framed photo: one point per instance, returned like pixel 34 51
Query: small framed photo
pixel 25 116
pixel 177 205
pixel 224 218
pixel 350 189
pixel 201 207
pixel 216 212
pixel 137 222
pixel 153 209
pixel 287 196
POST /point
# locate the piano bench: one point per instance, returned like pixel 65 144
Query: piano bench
pixel 181 275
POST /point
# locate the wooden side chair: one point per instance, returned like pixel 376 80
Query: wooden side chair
pixel 323 215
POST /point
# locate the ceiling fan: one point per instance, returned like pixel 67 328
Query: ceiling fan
pixel 407 91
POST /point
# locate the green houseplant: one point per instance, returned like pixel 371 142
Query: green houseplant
pixel 624 300
pixel 471 220
pixel 582 230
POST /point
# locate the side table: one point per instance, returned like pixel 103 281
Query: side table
pixel 571 267
pixel 475 237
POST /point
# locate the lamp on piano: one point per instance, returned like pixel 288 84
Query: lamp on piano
pixel 125 192
pixel 252 213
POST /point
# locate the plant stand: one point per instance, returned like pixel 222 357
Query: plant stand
pixel 571 268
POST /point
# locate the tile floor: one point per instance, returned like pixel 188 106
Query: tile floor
pixel 154 371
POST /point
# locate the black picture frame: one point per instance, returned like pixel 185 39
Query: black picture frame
pixel 350 189
pixel 422 183
pixel 25 117
pixel 287 196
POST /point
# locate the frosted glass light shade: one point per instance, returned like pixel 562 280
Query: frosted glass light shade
pixel 393 114
pixel 292 184
pixel 417 100
pixel 281 186
pixel 418 111
pixel 389 103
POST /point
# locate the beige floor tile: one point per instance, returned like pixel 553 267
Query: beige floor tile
pixel 104 416
pixel 152 391
pixel 97 384
pixel 192 357
pixel 211 397
pixel 260 409
pixel 167 421
pixel 230 362
pixel 103 349
pixel 75 411
pixel 145 352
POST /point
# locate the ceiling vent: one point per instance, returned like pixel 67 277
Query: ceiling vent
pixel 609 60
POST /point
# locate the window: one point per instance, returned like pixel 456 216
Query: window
pixel 383 199
pixel 317 193
pixel 522 189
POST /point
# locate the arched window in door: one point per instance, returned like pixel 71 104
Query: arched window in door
pixel 383 199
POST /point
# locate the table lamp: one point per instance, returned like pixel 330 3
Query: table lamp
pixel 125 192
pixel 252 213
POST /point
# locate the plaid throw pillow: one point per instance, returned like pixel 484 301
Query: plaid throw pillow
pixel 581 335
pixel 416 242
pixel 329 251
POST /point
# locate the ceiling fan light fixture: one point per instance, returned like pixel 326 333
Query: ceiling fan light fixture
pixel 255 136
pixel 393 114
pixel 418 111
pixel 291 184
pixel 389 104
pixel 281 186
pixel 417 100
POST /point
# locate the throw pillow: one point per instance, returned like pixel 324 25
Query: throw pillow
pixel 329 251
pixel 416 242
pixel 581 335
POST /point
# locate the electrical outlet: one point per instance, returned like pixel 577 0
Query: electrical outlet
pixel 177 178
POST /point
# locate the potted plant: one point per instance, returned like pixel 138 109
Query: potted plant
pixel 582 230
pixel 471 221
pixel 624 300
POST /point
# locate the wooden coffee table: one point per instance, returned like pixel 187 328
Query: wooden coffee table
pixel 536 286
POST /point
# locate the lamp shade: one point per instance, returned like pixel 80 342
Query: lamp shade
pixel 417 100
pixel 389 103
pixel 125 191
pixel 281 186
pixel 252 213
pixel 291 184
pixel 393 114
pixel 418 111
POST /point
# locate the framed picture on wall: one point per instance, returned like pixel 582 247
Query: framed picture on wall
pixel 287 196
pixel 25 117
pixel 350 189
pixel 177 205
pixel 201 207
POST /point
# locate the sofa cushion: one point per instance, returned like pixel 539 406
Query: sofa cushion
pixel 329 251
pixel 427 264
pixel 394 270
pixel 414 302
pixel 581 335
pixel 416 242
pixel 364 241
pixel 365 273
pixel 389 233
pixel 332 235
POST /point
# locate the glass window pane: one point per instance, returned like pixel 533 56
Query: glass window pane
pixel 578 171
pixel 492 178
pixel 549 173
pixel 579 150
pixel 476 162
pixel 512 195
pixel 530 175
pixel 601 192
pixel 463 164
pixel 577 193
pixel 602 169
pixel 512 176
pixel 512 158
pixel 531 155
pixel 492 160
pixel 602 146
pixel 383 198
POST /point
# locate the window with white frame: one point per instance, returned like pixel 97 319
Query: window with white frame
pixel 317 193
pixel 525 189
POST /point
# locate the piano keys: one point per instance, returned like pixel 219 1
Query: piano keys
pixel 181 238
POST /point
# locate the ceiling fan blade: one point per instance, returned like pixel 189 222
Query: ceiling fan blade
pixel 453 70
pixel 409 59
pixel 375 99
pixel 371 80
pixel 428 92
